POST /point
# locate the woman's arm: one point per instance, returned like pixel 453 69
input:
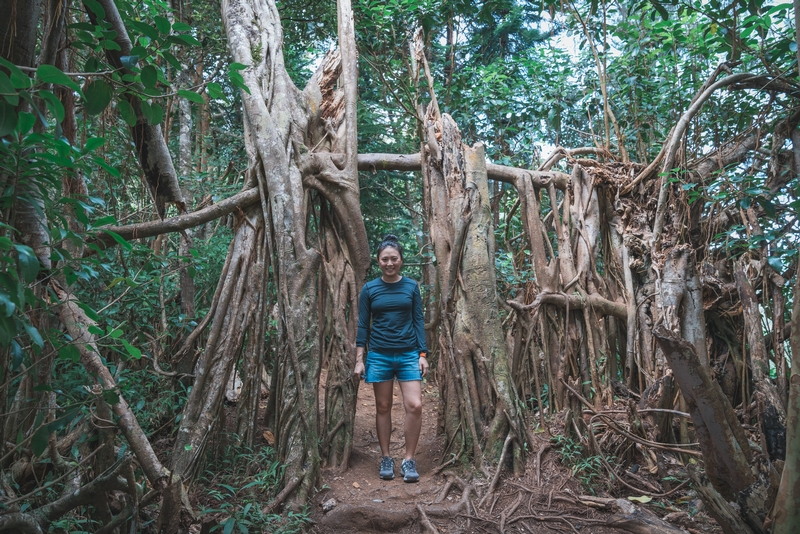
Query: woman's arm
pixel 362 335
pixel 418 319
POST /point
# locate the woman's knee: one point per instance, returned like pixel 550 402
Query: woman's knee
pixel 413 406
pixel 383 406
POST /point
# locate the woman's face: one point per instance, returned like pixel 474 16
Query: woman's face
pixel 390 262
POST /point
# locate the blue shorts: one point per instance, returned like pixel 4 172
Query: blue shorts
pixel 382 367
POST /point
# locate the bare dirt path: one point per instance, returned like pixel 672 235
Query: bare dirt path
pixel 364 502
pixel 545 499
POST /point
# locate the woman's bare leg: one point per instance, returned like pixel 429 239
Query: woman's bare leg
pixel 412 401
pixel 383 413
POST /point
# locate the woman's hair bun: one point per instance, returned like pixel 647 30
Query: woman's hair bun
pixel 390 240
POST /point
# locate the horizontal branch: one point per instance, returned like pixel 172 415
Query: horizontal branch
pixel 178 223
pixel 72 74
pixel 412 162
pixel 600 305
pixel 366 162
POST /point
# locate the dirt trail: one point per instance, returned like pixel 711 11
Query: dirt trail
pixel 366 503
pixel 543 500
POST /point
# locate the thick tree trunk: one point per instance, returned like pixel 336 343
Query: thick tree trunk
pixel 475 378
pixel 242 290
pixel 786 513
pixel 280 122
pixel 771 413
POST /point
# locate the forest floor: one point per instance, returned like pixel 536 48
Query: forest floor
pixel 358 501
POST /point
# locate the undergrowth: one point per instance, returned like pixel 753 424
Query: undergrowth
pixel 238 484
pixel 586 468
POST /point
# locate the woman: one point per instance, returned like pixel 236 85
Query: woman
pixel 390 322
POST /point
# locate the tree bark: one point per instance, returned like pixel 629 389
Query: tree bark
pixel 475 379
pixel 786 513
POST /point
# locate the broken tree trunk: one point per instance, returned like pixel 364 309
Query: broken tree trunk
pixel 771 413
pixel 475 378
pixel 726 452
pixel 786 513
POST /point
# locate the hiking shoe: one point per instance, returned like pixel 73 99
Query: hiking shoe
pixel 409 471
pixel 387 468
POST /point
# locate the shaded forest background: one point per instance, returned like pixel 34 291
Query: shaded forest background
pixel 600 201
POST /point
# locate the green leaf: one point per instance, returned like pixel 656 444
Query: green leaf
pixel 93 143
pixel 24 128
pixel 34 334
pixel 172 60
pixel 69 352
pixel 53 104
pixel 163 24
pixel 769 207
pixel 776 264
pixel 129 62
pixel 17 356
pixel 238 81
pixel 229 524
pixel 98 95
pixel 89 312
pixel 145 29
pixel 108 44
pixel 50 74
pixel 116 333
pixel 133 351
pixel 184 39
pixel 7 303
pixel 28 263
pixel 126 110
pixel 236 66
pixel 191 96
pixel 63 421
pixel 149 76
pixel 113 171
pixel 154 113
pixel 95 330
pixel 8 118
pixel 215 91
pixel 96 8
pixel 110 396
pixel 7 90
pixel 19 79
pixel 39 440
pixel 119 239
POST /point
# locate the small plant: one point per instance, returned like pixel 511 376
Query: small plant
pixel 240 481
pixel 588 469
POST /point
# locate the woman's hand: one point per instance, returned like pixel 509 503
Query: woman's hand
pixel 359 369
pixel 423 365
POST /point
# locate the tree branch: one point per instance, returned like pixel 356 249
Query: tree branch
pixel 176 224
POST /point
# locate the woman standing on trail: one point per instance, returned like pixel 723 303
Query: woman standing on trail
pixel 390 322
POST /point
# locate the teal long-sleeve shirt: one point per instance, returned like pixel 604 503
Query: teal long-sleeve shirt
pixel 390 317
